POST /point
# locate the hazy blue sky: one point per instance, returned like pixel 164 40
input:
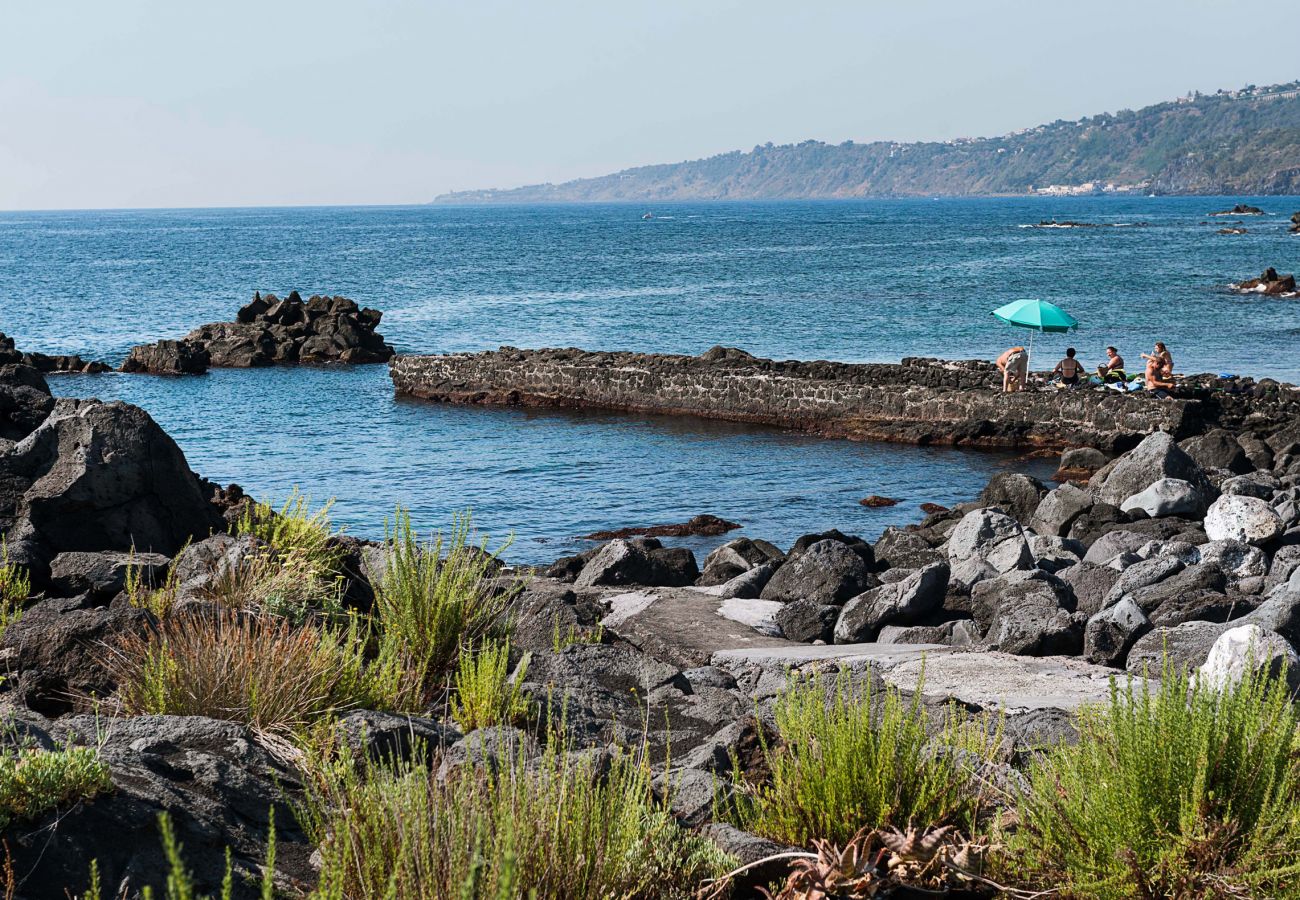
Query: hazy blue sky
pixel 143 103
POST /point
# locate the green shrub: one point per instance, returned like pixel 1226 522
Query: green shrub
pixel 545 828
pixel 278 585
pixel 34 781
pixel 294 532
pixel 575 635
pixel 433 600
pixel 158 599
pixel 15 588
pixel 1172 791
pixel 848 760
pixel 485 694
pixel 260 670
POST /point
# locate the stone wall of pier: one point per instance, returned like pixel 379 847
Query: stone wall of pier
pixel 916 401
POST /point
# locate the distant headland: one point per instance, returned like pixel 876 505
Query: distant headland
pixel 1243 141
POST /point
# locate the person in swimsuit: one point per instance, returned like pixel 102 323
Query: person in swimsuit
pixel 1070 369
pixel 1113 368
pixel 1160 368
pixel 1014 364
pixel 1163 359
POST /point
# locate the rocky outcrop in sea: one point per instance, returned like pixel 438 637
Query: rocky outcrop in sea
pixel 1269 283
pixel 44 363
pixel 269 331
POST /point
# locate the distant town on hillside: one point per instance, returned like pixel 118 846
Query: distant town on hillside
pixel 1243 141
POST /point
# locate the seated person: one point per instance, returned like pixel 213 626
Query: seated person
pixel 1113 368
pixel 1156 376
pixel 1014 364
pixel 1163 358
pixel 1070 369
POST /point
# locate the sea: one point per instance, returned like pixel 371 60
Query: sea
pixel 859 281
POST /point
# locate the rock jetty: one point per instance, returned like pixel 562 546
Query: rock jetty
pixel 269 331
pixel 1025 600
pixel 917 401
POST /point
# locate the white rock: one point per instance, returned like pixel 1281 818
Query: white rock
pixel 1167 497
pixel 1245 648
pixel 1241 518
pixel 1237 560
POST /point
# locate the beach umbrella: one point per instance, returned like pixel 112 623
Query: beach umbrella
pixel 1036 315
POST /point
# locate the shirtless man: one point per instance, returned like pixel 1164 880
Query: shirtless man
pixel 1070 369
pixel 1163 360
pixel 1014 364
pixel 1111 369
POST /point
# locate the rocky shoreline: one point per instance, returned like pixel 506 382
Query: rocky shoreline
pixel 917 401
pixel 1178 543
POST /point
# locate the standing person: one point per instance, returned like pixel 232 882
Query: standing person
pixel 1113 368
pixel 1070 369
pixel 1014 364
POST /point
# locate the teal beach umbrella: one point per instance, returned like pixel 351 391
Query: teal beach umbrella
pixel 1036 315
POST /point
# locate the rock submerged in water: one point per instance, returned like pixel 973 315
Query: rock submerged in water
pixel 44 363
pixel 1241 209
pixel 1269 283
pixel 875 501
pixel 699 526
pixel 269 331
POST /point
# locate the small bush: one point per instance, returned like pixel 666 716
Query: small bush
pixel 1175 791
pixel 575 635
pixel 15 588
pixel 433 600
pixel 158 599
pixel 34 781
pixel 485 694
pixel 285 586
pixel 549 828
pixel 294 532
pixel 846 761
pixel 261 670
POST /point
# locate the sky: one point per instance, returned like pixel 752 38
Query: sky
pixel 143 103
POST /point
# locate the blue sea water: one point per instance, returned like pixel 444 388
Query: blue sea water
pixel 855 281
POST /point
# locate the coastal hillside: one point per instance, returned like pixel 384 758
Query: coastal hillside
pixel 1231 142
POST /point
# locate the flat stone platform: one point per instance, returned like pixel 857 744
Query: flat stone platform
pixel 917 401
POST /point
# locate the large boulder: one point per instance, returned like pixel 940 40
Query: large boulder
pixel 1241 518
pixel 639 561
pixel 218 785
pixel 1111 633
pixel 1144 574
pixel 1249 649
pixel 1091 585
pixel 903 602
pixel 1059 509
pixel 100 476
pixel 1028 614
pixel 168 358
pixel 987 542
pixel 1015 494
pixel 807 620
pixel 1180 647
pixel 1156 458
pixel 899 549
pixel 827 571
pixel 735 558
pixel 1218 449
pixel 1167 497
pixel 1237 560
pixel 56 652
pixel 25 401
pixel 103 575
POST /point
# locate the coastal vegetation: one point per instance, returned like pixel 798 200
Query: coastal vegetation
pixel 565 825
pixel 1227 143
pixel 849 758
pixel 34 781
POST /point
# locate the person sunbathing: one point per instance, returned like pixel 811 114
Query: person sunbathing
pixel 1113 368
pixel 1014 364
pixel 1069 368
pixel 1163 359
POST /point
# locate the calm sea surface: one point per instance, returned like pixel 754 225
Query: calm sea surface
pixel 855 281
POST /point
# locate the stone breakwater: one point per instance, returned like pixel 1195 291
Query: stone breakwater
pixel 917 401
